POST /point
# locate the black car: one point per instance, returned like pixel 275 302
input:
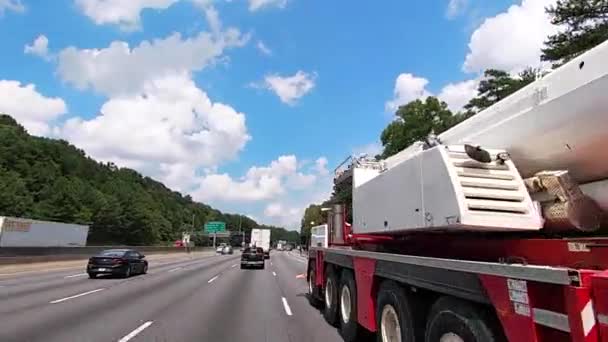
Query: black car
pixel 252 256
pixel 121 262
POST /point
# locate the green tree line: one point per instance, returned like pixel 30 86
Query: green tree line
pixel 584 25
pixel 47 179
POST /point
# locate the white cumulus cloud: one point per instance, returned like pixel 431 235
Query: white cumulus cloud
pixel 170 127
pixel 289 89
pixel 125 13
pixel 458 94
pixel 11 5
pixel 511 40
pixel 263 48
pixel 30 108
pixel 456 8
pixel 259 183
pixel 99 69
pixel 321 166
pixel 39 47
pixel 409 87
pixel 284 215
pixel 255 5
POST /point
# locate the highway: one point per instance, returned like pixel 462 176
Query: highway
pixel 190 299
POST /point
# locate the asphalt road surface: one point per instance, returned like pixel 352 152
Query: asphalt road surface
pixel 200 299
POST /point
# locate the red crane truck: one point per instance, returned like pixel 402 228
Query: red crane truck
pixel 453 242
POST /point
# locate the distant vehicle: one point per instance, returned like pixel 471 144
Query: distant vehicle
pixel 252 256
pixel 219 250
pixel 281 245
pixel 179 243
pixel 227 250
pixel 121 262
pixel 23 232
pixel 261 238
pixel 288 248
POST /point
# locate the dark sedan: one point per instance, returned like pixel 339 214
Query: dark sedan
pixel 121 262
pixel 252 256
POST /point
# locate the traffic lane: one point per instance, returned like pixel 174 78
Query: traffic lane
pixel 310 321
pixel 29 276
pixel 45 278
pixel 40 278
pixel 239 305
pixel 128 310
pixel 21 297
pixel 107 313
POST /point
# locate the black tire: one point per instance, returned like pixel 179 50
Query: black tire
pixel 92 275
pixel 451 316
pixel 392 298
pixel 313 289
pixel 262 267
pixel 349 327
pixel 330 311
pixel 144 270
pixel 127 272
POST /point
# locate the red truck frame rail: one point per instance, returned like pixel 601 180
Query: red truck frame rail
pixel 558 290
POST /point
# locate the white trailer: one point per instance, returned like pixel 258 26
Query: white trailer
pixel 261 238
pixel 22 232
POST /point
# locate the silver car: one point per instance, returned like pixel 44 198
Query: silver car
pixel 227 250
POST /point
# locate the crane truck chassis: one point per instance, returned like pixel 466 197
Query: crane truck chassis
pixel 441 283
pixel 430 297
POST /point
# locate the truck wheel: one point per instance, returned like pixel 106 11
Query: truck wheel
pixel 313 289
pixel 349 327
pixel 331 297
pixel 394 319
pixel 453 319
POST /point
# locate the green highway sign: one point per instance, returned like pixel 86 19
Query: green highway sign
pixel 215 227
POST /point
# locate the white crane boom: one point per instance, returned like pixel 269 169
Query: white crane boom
pixel 555 131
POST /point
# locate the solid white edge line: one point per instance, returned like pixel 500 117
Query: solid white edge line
pixel 175 269
pixel 75 275
pixel 274 274
pixel 136 331
pixel 76 296
pixel 286 307
pixel 213 279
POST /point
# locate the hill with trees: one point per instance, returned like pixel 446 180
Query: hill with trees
pixel 48 179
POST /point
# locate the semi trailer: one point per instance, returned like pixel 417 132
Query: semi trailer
pixel 23 232
pixel 492 231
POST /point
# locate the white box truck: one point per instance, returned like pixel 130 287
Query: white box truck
pixel 23 232
pixel 261 238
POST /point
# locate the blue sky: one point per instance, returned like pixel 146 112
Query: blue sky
pixel 247 104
